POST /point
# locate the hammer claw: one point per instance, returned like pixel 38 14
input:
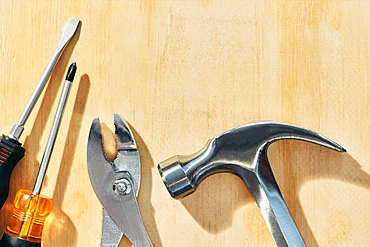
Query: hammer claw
pixel 243 152
pixel 256 135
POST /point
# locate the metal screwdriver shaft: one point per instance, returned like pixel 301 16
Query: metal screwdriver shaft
pixel 31 208
pixel 11 150
pixel 54 130
pixel 68 33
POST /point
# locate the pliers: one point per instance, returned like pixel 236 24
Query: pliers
pixel 116 184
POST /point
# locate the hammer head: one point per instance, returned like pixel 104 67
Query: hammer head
pixel 236 151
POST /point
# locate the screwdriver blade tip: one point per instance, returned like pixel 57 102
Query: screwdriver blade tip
pixel 74 21
pixel 71 72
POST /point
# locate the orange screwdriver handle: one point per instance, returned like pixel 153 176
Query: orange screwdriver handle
pixel 28 218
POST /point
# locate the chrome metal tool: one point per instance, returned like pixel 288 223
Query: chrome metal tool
pixel 116 184
pixel 30 207
pixel 243 152
pixel 68 32
pixel 11 150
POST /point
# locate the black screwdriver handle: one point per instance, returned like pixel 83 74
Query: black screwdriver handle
pixel 11 152
pixel 10 241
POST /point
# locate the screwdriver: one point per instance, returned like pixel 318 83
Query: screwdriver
pixel 11 150
pixel 30 207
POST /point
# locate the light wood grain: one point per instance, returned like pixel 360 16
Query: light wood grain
pixel 181 72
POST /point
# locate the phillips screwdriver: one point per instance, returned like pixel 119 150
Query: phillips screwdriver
pixel 11 150
pixel 30 207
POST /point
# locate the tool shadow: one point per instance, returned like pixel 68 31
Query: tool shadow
pixel 145 193
pixel 294 163
pixel 28 167
pixel 61 227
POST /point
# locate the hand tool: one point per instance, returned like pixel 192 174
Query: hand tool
pixel 30 207
pixel 116 184
pixel 11 150
pixel 243 152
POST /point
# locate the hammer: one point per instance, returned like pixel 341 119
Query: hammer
pixel 243 151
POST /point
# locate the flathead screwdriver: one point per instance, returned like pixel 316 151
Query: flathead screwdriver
pixel 11 150
pixel 30 207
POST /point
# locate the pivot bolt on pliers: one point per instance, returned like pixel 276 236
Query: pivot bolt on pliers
pixel 116 184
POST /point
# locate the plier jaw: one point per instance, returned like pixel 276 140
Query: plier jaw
pixel 127 160
pixel 117 183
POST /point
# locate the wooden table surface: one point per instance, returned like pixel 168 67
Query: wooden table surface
pixel 181 72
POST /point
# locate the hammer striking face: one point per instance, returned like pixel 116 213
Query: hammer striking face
pixel 243 152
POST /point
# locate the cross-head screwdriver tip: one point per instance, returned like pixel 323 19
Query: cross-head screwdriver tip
pixel 71 72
